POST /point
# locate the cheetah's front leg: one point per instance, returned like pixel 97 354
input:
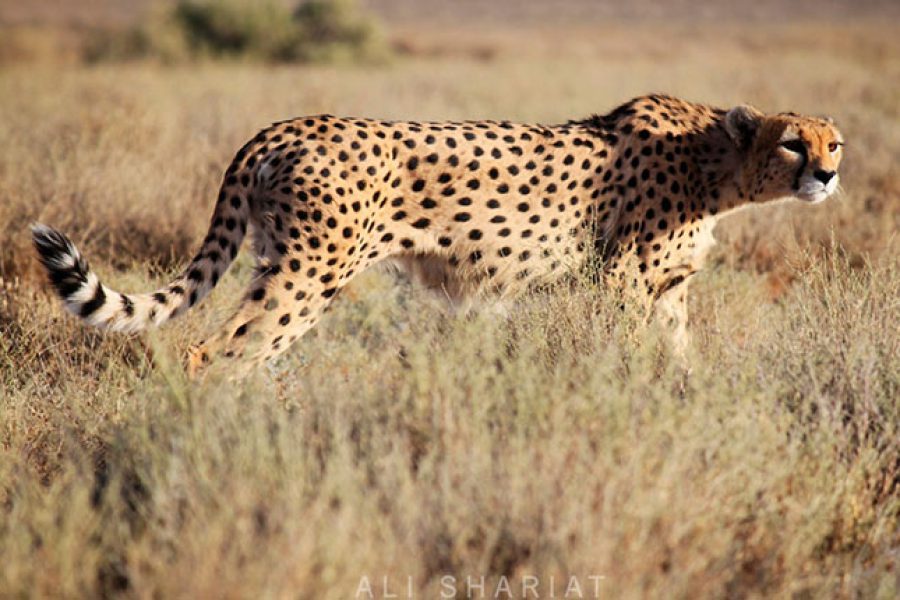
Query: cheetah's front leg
pixel 671 308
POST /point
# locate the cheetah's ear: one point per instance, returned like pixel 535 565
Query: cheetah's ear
pixel 742 122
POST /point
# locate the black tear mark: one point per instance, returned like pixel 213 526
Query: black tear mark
pixel 804 159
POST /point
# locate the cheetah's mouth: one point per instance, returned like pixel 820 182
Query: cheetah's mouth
pixel 814 191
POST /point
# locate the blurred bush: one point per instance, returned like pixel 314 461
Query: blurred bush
pixel 266 30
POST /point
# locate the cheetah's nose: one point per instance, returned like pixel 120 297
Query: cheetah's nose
pixel 823 176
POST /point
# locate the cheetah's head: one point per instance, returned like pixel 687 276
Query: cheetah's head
pixel 785 155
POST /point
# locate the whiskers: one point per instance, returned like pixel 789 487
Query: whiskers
pixel 839 192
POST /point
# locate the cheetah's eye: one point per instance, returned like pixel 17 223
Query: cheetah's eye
pixel 795 146
pixel 833 146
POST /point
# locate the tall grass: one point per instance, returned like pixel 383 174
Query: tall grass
pixel 398 442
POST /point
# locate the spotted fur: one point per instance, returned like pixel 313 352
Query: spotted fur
pixel 474 207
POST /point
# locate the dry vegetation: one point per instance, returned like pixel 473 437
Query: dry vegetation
pixel 394 441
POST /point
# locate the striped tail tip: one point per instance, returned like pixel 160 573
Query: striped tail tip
pixel 69 272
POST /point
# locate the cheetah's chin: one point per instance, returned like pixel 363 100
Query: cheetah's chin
pixel 814 197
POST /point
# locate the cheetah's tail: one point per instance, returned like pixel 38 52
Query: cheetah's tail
pixel 85 296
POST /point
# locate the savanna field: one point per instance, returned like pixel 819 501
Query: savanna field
pixel 399 444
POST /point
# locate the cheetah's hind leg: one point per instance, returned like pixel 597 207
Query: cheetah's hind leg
pixel 276 311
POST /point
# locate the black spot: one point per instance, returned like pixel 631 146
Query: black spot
pixel 127 305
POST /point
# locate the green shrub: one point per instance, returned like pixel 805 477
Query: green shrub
pixel 337 30
pixel 267 30
pixel 262 29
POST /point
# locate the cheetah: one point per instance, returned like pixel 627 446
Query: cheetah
pixel 474 207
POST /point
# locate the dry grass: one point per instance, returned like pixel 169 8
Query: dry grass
pixel 398 442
